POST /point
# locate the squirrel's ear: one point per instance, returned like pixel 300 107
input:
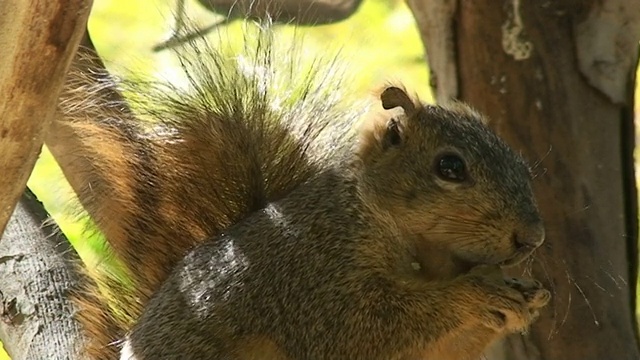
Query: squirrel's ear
pixel 393 135
pixel 393 96
pixel 378 135
pixel 382 130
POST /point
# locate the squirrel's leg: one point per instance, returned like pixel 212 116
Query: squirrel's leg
pixel 459 319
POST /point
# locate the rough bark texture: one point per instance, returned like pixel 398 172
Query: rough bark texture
pixel 37 273
pixel 435 23
pixel 300 12
pixel 556 78
pixel 38 40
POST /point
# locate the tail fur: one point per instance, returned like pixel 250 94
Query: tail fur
pixel 168 166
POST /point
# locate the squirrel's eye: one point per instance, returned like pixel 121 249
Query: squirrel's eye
pixel 451 168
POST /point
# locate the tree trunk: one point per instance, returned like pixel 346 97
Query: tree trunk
pixel 556 78
pixel 38 40
pixel 38 268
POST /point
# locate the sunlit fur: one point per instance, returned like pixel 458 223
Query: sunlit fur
pixel 474 221
pixel 167 166
pixel 266 230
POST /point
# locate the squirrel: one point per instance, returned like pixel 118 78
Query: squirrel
pixel 259 217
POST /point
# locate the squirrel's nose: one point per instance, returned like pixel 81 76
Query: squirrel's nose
pixel 529 236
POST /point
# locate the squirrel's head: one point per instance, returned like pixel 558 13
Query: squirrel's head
pixel 449 182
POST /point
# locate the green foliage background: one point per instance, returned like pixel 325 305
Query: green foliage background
pixel 380 42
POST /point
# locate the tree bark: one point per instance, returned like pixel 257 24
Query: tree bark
pixel 38 40
pixel 38 272
pixel 299 12
pixel 557 80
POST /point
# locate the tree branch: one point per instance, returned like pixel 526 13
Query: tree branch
pixel 603 41
pixel 299 12
pixel 435 23
pixel 38 273
pixel 38 40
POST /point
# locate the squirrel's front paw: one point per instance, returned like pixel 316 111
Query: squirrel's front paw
pixel 509 305
pixel 534 294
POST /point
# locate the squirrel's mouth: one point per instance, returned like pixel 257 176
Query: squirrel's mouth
pixel 438 263
pixel 448 267
pixel 516 258
pixel 464 266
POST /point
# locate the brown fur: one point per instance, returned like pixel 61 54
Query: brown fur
pixel 326 272
pixel 272 233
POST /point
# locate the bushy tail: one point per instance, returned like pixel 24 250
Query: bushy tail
pixel 169 166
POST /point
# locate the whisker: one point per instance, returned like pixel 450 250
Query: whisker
pixel 462 220
pixel 556 329
pixel 613 278
pixel 584 296
pixel 583 209
pixel 543 173
pixel 553 288
pixel 619 276
pixel 599 286
pixel 455 231
pixel 528 267
pixel 537 163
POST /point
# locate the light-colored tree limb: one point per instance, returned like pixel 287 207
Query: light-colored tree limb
pixel 39 270
pixel 435 24
pixel 38 41
pixel 604 41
